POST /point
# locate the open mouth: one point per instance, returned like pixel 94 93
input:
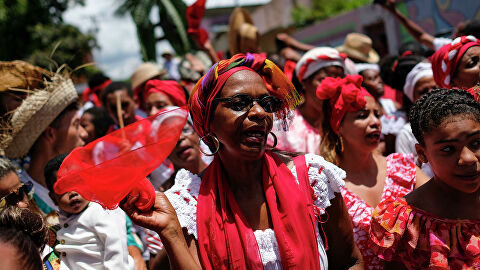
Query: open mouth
pixel 255 137
pixel 184 151
pixel 374 136
pixel 75 203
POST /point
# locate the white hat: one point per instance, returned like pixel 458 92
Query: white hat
pixel 316 59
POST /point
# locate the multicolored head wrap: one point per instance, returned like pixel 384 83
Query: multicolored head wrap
pixel 345 95
pixel 210 85
pixel 445 61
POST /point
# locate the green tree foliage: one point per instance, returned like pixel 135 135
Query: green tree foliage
pixel 31 29
pixel 322 9
pixel 172 21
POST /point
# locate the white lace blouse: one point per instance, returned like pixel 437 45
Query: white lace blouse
pixel 325 178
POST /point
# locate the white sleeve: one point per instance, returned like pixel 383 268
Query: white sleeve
pixel 405 142
pixel 109 226
pixel 325 178
pixel 183 197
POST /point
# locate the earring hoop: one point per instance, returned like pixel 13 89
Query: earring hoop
pixel 274 141
pixel 215 141
pixel 339 144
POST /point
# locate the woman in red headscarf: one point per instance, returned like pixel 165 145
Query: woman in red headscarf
pixel 457 64
pixel 351 134
pixel 158 94
pixel 252 208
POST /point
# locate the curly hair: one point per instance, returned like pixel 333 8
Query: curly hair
pixel 26 232
pixel 433 108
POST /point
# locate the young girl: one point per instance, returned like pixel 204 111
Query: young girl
pixel 351 134
pixel 438 224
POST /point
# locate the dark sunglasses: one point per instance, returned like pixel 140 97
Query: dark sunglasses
pixel 243 102
pixel 17 195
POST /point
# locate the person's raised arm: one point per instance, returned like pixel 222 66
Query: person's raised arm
pixel 342 252
pixel 162 219
pixel 414 29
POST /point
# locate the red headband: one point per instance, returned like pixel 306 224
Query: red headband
pixel 172 89
pixel 345 95
pixel 445 61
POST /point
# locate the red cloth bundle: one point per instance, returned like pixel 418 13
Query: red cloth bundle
pixel 108 169
pixel 194 19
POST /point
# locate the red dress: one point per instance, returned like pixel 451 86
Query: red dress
pixel 401 178
pixel 420 240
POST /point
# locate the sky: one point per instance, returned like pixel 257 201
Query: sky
pixel 119 52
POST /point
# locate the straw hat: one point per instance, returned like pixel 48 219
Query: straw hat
pixel 20 75
pixel 243 36
pixel 35 114
pixel 145 72
pixel 359 46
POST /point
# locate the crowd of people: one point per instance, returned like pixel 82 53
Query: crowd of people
pixel 310 158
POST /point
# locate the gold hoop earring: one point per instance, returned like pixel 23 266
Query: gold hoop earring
pixel 215 141
pixel 274 141
pixel 339 144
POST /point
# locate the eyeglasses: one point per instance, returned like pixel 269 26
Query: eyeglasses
pixel 17 195
pixel 187 130
pixel 243 102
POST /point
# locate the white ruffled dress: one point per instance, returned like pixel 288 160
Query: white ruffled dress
pixel 326 180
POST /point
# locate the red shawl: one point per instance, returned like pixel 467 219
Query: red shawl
pixel 226 240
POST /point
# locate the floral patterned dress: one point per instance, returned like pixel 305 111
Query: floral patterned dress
pixel 420 240
pixel 401 178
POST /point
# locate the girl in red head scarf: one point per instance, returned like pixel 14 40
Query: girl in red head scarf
pixel 252 208
pixel 351 134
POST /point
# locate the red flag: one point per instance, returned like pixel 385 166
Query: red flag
pixel 108 169
pixel 194 14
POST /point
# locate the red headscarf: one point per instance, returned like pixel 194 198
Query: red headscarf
pixel 345 95
pixel 93 94
pixel 225 239
pixel 108 169
pixel 445 61
pixel 172 89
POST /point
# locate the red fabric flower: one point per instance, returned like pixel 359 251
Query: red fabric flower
pixel 345 95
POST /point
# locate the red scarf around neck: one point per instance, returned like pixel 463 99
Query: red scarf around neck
pixel 226 240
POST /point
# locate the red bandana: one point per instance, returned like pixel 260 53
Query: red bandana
pixel 445 61
pixel 108 169
pixel 93 94
pixel 172 89
pixel 345 95
pixel 227 241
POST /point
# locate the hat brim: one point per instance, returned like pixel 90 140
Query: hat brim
pixel 35 114
pixel 372 56
pixel 238 17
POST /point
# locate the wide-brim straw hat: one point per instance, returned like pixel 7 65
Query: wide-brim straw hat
pixel 19 76
pixel 359 47
pixel 241 31
pixel 35 114
pixel 145 72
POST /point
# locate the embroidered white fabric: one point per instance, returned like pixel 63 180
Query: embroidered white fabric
pixel 325 178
